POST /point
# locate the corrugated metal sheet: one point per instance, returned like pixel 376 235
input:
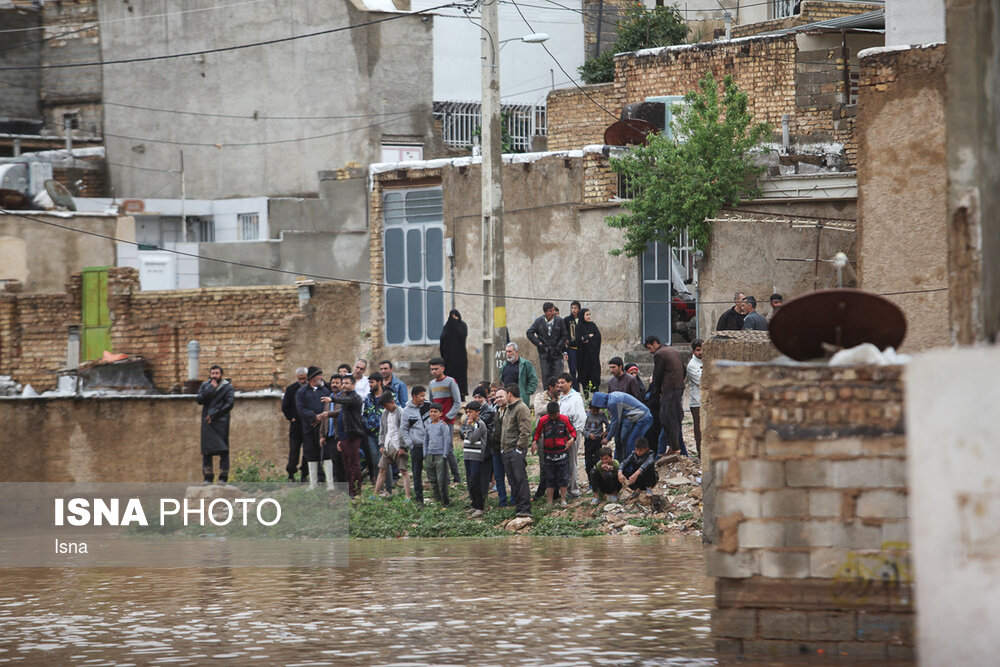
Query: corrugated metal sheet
pixel 874 20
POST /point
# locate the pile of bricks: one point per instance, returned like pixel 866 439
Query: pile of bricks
pixel 810 549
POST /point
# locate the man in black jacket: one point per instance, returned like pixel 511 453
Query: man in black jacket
pixel 548 334
pixel 215 396
pixel 351 433
pixel 288 409
pixel 311 403
pixel 732 319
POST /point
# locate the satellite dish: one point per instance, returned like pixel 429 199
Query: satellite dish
pixel 60 195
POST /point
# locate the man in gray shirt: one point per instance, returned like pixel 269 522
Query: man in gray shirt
pixel 752 320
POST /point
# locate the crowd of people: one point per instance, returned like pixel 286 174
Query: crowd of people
pixel 355 424
pixel 744 315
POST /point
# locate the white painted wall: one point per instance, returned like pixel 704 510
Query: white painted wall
pixel 953 454
pixel 914 22
pixel 526 70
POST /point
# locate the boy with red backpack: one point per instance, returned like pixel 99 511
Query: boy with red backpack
pixel 556 433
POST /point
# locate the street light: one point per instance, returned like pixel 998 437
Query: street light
pixel 494 270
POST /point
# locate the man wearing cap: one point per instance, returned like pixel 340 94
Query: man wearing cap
pixel 311 407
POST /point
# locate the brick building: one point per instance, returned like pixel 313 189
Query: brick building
pixel 805 73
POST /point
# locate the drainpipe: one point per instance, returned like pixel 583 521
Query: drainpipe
pixel 785 140
pixel 728 18
pixel 67 125
pixel 600 20
pixel 194 354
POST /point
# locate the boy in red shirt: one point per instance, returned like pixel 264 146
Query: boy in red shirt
pixel 556 433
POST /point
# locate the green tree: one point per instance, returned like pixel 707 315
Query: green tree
pixel 681 181
pixel 638 28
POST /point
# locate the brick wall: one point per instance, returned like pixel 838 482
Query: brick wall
pixel 811 553
pixel 600 183
pixel 257 334
pixel 811 11
pixel 576 121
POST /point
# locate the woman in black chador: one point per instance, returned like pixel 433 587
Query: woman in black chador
pixel 589 353
pixel 456 359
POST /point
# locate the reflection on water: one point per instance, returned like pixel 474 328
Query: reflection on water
pixel 415 602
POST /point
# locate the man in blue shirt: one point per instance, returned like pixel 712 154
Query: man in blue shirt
pixel 630 420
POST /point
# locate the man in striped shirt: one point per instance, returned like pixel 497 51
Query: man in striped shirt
pixel 444 391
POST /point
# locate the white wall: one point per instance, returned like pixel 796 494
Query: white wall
pixel 953 454
pixel 525 69
pixel 914 22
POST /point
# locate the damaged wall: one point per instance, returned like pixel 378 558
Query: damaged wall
pixel 259 335
pixel 903 187
pixel 811 548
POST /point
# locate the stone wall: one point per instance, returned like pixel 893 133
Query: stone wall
pixel 575 120
pixel 903 187
pixel 811 555
pixel 259 335
pixel 128 439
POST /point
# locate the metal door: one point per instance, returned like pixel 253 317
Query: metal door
pixel 94 309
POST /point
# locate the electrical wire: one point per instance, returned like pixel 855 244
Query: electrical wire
pixel 372 283
pixel 221 145
pixel 254 117
pixel 236 47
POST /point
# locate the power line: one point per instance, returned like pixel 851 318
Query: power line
pixel 252 116
pixel 220 144
pixel 237 47
pixel 372 283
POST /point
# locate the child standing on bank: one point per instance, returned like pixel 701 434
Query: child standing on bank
pixel 475 443
pixel 437 447
pixel 556 432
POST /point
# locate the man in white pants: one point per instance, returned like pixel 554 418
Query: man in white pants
pixel 571 405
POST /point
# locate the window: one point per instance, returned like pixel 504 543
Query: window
pixel 783 8
pixel 401 153
pixel 413 238
pixel 71 120
pixel 665 270
pixel 249 226
pixel 670 104
pixel 200 230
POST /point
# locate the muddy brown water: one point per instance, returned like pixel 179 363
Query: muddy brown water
pixel 544 601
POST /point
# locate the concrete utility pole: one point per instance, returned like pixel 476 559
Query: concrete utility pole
pixel 494 271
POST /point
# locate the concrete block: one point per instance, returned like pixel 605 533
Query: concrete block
pixel 896 628
pixel 733 502
pixel 831 625
pixel 881 504
pixel 824 503
pixel 894 473
pixel 897 532
pixel 845 447
pixel 734 623
pixel 784 564
pixel 740 565
pixel 729 647
pixel 906 654
pixel 808 472
pixel 761 535
pixel 857 535
pixel 825 562
pixel 860 473
pixel 777 648
pixel 757 474
pixel 783 624
pixel 788 502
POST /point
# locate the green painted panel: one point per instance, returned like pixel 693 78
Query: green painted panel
pixel 96 318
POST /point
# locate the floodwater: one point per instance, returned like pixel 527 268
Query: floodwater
pixel 544 601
